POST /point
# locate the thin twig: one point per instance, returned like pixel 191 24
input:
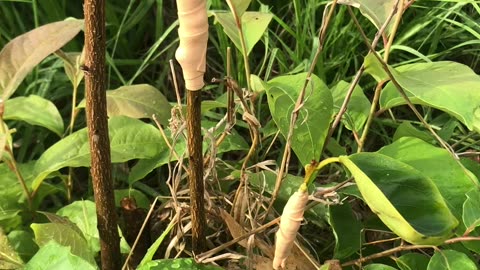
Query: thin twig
pixel 379 86
pixel 408 247
pixel 298 105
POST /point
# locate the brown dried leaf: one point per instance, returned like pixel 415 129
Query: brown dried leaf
pixel 24 52
pixel 236 230
pixel 296 261
pixel 333 264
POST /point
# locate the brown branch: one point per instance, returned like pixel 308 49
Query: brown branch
pixel 195 172
pixel 394 250
pixel 96 108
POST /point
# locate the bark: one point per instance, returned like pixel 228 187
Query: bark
pixel 191 54
pixel 195 173
pixel 97 124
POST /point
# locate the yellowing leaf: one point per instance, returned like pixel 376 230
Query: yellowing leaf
pixel 24 52
pixel 403 198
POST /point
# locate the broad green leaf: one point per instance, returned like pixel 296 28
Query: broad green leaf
pixel 138 101
pixel 346 228
pixel 375 68
pixel 240 6
pixel 405 200
pixel 154 247
pixel 12 198
pixel 23 243
pixel 129 139
pixel 257 84
pixel 378 266
pixel 413 261
pixel 314 116
pixel 254 25
pixel 56 256
pixel 406 129
pixel 56 219
pixel 265 181
pixel 182 263
pixel 450 260
pixel 231 143
pixel 140 198
pixel 471 209
pixel 357 109
pixel 65 236
pixel 436 164
pixel 24 52
pixel 330 265
pixel 447 86
pixel 9 258
pixel 208 105
pixel 377 11
pixel 83 215
pixel 72 62
pixel 34 110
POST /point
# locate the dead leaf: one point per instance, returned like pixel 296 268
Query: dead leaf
pixel 236 230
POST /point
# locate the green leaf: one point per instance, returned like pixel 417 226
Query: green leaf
pixel 138 101
pixel 471 206
pixel 183 263
pixel 258 85
pixel 55 256
pixel 436 164
pixel 265 181
pixel 12 198
pixel 143 167
pixel 22 242
pixel 357 109
pixel 240 6
pixel 314 116
pixel 83 215
pixel 406 129
pixel 56 219
pixel 447 86
pixel 413 261
pixel 65 236
pixel 154 247
pixel 9 258
pixel 208 105
pixel 34 110
pixel 140 198
pixel 24 52
pixel 450 260
pixel 347 230
pixel 254 24
pixel 375 68
pixel 72 62
pixel 377 11
pixel 378 266
pixel 129 139
pixel 403 198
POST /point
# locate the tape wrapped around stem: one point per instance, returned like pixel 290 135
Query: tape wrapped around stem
pixel 290 222
pixel 193 33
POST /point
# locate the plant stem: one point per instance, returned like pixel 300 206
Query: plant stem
pixel 298 105
pixel 97 124
pixel 379 86
pixel 311 170
pixel 12 164
pixel 195 169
